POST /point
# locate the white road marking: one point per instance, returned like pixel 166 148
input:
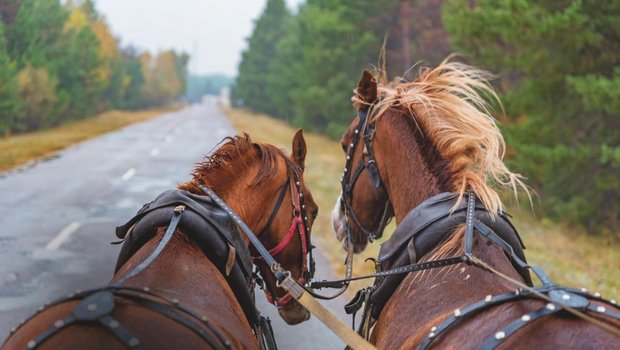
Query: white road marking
pixel 128 174
pixel 154 152
pixel 62 236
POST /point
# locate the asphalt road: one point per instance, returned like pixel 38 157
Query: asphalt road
pixel 58 215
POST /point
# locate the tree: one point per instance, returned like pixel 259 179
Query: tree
pixel 255 64
pixel 560 69
pixel 37 28
pixel 80 68
pixel 133 80
pixel 9 104
pixel 164 76
pixel 37 91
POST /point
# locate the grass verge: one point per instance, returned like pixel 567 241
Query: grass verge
pixel 569 256
pixel 20 149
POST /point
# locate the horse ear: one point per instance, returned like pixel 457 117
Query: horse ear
pixel 299 149
pixel 367 88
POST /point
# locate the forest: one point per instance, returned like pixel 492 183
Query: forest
pixel 59 61
pixel 558 75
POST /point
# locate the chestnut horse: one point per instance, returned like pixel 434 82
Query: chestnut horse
pixel 414 143
pixel 182 299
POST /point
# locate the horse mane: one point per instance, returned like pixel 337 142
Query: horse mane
pixel 236 153
pixel 450 102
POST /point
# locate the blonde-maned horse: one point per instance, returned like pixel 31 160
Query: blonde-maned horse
pixel 428 143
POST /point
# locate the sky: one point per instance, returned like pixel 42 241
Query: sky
pixel 213 32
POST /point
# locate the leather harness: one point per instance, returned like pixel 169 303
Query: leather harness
pixel 559 297
pixel 422 230
pixel 208 222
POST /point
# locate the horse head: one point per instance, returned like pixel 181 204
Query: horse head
pixel 361 220
pixel 413 140
pixel 266 188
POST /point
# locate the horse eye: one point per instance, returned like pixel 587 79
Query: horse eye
pixel 344 147
pixel 315 213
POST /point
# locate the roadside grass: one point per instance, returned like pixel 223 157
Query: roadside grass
pixel 571 257
pixel 17 150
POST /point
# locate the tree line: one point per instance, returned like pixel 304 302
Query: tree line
pixel 60 62
pixel 557 61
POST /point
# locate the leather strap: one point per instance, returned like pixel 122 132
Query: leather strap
pixel 501 335
pixel 276 207
pixel 176 217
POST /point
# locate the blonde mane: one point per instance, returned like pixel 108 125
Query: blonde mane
pixel 451 104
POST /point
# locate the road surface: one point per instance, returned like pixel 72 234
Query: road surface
pixel 58 216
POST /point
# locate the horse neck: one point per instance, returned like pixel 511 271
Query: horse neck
pixel 410 166
pixel 414 171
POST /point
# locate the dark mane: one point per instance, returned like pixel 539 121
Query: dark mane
pixel 239 152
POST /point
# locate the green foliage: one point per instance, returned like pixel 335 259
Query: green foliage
pixel 305 72
pixel 9 104
pixel 560 74
pixel 59 61
pixel 558 63
pixel 79 86
pixel 256 64
pixel 37 91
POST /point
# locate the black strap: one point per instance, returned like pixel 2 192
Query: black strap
pixel 501 335
pixel 176 217
pixel 215 339
pixel 470 310
pixel 397 271
pixel 121 332
pixel 48 333
pixel 267 331
pixel 276 207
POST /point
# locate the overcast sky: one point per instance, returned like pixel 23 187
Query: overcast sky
pixel 213 32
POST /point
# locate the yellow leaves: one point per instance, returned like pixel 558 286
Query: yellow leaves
pixel 161 76
pixel 77 20
pixel 108 47
pixel 37 91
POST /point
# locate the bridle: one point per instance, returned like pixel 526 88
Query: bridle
pixel 367 131
pixel 348 180
pixel 299 224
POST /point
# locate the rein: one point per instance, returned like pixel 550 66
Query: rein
pixel 284 280
pixel 298 224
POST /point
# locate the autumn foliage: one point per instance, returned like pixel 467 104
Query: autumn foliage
pixel 59 62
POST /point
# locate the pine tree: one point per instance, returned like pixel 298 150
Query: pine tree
pixel 255 62
pixel 560 71
pixel 9 104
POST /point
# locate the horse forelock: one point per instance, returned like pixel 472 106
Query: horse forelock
pixel 240 152
pixel 451 104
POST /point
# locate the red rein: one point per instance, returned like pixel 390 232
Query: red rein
pixel 296 225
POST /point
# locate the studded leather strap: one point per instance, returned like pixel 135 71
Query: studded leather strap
pixel 488 302
pixel 516 325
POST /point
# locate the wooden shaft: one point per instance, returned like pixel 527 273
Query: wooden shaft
pixel 353 340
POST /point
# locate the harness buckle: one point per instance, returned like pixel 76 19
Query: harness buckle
pixel 179 209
